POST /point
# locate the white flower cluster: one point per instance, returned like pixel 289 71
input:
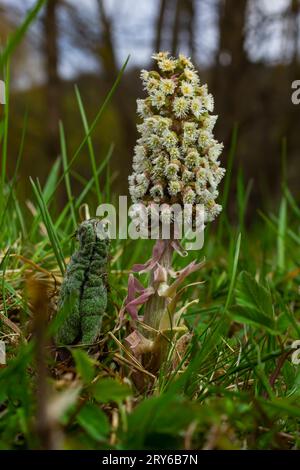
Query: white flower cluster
pixel 176 156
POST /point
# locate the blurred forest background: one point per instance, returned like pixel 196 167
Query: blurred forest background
pixel 248 51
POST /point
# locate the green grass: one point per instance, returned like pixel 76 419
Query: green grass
pixel 235 386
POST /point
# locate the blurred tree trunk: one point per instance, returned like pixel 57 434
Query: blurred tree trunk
pixel 53 85
pixel 110 70
pixel 159 26
pixel 106 49
pixel 231 54
pixel 288 118
pixel 230 79
pixel 183 24
pixel 190 27
pixel 176 27
pixel 295 31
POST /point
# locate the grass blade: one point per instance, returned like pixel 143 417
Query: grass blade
pixel 89 144
pixel 49 226
pixel 66 172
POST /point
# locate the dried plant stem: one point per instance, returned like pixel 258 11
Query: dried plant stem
pixel 47 430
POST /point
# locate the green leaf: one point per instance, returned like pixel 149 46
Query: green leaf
pixel 108 390
pixel 164 415
pixel 254 295
pixel 234 271
pixel 253 317
pixel 85 366
pixel 52 179
pixel 254 304
pixel 281 236
pixel 94 421
pixel 283 406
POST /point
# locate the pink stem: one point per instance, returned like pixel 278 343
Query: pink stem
pixel 156 306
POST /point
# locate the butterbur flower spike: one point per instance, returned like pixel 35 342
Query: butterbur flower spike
pixel 176 158
pixel 176 161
